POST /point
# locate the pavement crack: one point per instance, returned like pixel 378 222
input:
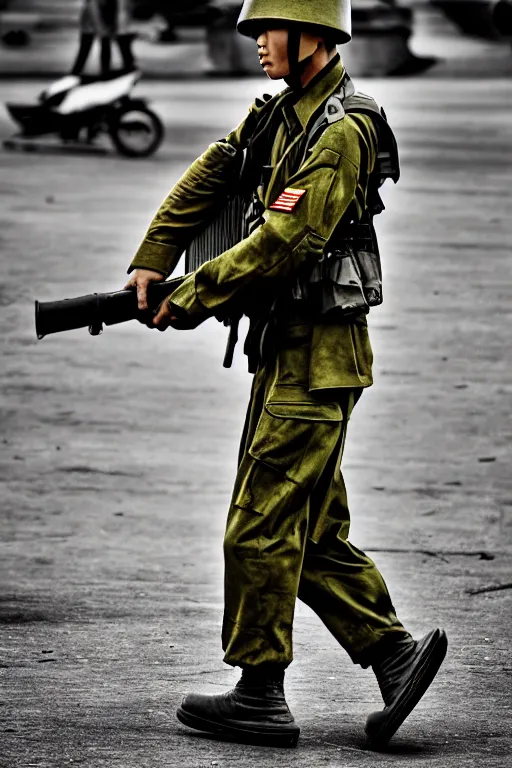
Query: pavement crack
pixel 489 588
pixel 433 553
pixel 96 471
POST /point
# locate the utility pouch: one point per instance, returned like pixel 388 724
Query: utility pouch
pixel 348 280
pixel 341 288
pixel 366 250
pixel 371 277
pixel 335 286
pixel 356 245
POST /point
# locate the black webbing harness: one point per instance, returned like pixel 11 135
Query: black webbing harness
pixel 226 229
pixel 348 279
pixel 347 100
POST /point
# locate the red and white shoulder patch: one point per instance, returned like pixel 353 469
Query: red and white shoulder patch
pixel 287 200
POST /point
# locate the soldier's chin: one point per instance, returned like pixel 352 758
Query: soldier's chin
pixel 273 74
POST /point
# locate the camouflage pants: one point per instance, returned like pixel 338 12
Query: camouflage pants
pixel 288 522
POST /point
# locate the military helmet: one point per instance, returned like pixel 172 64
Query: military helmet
pixel 326 16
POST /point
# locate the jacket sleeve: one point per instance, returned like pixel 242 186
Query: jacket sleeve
pixel 333 177
pixel 193 199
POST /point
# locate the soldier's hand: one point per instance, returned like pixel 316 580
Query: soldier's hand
pixel 164 317
pixel 140 279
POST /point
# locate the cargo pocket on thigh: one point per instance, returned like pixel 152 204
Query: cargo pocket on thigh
pixel 295 436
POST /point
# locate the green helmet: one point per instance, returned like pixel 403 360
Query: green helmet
pixel 329 16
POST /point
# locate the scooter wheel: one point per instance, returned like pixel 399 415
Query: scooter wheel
pixel 136 131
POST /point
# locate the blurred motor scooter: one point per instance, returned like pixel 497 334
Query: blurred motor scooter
pixel 79 109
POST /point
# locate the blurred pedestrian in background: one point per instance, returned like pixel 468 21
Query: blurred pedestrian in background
pixel 106 20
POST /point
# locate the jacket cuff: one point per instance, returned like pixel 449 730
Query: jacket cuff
pixel 156 256
pixel 186 306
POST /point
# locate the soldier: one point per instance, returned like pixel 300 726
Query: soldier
pixel 311 160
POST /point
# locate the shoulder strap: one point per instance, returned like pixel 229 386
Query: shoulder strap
pixel 332 112
pixel 257 148
pixel 347 101
pixel 388 162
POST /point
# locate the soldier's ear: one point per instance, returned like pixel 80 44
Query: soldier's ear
pixel 309 44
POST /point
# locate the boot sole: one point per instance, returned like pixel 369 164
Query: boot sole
pixel 280 736
pixel 381 726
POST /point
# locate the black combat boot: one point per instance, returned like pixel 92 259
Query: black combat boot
pixel 255 711
pixel 404 674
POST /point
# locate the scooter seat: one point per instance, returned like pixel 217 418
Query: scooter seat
pixel 98 93
pixel 112 75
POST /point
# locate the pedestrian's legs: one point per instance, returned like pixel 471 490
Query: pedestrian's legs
pixel 125 46
pixel 84 50
pixel 105 55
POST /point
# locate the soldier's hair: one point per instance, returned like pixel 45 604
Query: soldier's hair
pixel 328 38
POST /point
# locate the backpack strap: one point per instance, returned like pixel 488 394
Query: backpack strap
pixel 332 112
pixel 347 101
pixel 387 165
pixel 349 280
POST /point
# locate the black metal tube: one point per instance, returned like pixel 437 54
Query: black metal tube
pixel 97 308
pixel 56 316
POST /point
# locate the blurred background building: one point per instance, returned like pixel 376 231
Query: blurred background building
pixel 197 37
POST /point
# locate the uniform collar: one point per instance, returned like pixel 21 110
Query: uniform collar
pixel 316 92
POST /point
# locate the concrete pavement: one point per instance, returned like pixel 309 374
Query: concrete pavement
pixel 117 455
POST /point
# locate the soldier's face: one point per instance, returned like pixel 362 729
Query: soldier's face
pixel 273 53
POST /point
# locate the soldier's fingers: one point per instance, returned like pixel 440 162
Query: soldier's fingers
pixel 160 319
pixel 162 323
pixel 142 295
pixel 163 317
